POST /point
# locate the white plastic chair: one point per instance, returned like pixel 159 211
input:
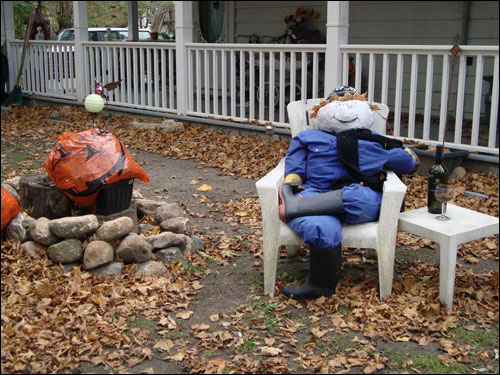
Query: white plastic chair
pixel 380 235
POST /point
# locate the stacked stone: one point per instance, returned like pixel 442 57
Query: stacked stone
pixel 105 248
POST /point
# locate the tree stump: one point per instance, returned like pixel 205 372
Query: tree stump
pixel 38 193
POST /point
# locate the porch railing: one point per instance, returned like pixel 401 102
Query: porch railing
pixel 253 83
pixel 49 68
pixel 146 71
pixel 459 105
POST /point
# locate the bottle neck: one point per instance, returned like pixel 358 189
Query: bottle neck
pixel 439 154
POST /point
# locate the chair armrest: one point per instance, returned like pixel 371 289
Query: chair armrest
pixel 273 179
pixel 394 191
pixel 267 188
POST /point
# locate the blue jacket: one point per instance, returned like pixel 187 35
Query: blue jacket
pixel 313 156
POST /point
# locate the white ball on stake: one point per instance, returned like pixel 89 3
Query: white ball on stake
pixel 94 104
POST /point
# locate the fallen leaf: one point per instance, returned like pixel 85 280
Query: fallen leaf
pixel 316 331
pixel 214 317
pixel 471 259
pixel 184 315
pixel 164 345
pixel 200 327
pixel 269 341
pixel 196 285
pixel 205 187
pixel 495 278
pixel 269 351
pixel 369 369
pixel 179 356
pixel 403 338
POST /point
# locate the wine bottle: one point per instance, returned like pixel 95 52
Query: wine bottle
pixel 438 174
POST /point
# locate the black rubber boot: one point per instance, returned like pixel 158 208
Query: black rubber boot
pixel 323 276
pixel 290 207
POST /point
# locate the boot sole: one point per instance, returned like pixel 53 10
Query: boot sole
pixel 309 296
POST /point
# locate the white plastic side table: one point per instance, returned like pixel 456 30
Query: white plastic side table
pixel 465 225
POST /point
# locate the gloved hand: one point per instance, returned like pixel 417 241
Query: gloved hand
pixel 295 181
pixel 415 158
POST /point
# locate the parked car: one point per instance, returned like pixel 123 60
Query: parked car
pixel 96 34
pixel 61 58
pixel 143 34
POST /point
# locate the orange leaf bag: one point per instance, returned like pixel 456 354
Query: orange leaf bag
pixel 80 164
pixel 10 207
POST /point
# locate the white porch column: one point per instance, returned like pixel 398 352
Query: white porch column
pixel 81 25
pixel 8 35
pixel 133 18
pixel 337 31
pixel 183 35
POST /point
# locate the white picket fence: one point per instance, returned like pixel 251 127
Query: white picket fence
pixel 253 83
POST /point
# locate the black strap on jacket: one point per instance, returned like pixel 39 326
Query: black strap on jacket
pixel 347 149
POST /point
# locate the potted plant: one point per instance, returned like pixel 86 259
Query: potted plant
pixel 154 33
pixel 157 22
pixel 155 26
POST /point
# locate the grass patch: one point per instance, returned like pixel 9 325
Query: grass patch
pixel 190 269
pixel 272 324
pixel 430 364
pixel 424 363
pixel 257 281
pixel 21 159
pixel 248 345
pixel 336 343
pixel 291 271
pixel 261 309
pixel 476 339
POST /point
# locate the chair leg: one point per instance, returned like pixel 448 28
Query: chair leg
pixel 270 250
pixel 385 269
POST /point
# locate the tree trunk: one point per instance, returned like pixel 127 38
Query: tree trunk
pixel 64 15
pixel 38 193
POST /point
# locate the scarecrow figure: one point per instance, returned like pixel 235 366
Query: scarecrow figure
pixel 334 175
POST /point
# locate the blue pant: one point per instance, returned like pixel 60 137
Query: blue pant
pixel 361 205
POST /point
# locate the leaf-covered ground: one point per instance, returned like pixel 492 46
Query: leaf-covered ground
pixel 212 317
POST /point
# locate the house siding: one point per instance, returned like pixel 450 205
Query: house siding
pixel 421 22
pixel 379 22
pixel 267 17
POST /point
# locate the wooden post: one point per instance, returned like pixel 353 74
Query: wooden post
pixel 9 36
pixel 337 30
pixel 81 26
pixel 133 28
pixel 183 35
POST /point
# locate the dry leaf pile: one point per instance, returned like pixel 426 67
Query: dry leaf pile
pixel 54 321
pixel 51 320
